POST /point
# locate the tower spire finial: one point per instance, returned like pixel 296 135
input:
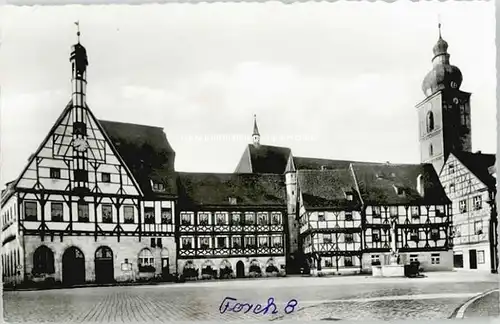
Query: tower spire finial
pixel 77 23
pixel 439 24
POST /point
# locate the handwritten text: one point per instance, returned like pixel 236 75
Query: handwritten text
pixel 230 304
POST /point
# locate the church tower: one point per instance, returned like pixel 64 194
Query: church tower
pixel 255 134
pixel 444 115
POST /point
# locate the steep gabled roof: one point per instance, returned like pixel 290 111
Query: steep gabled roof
pixel 216 189
pixel 264 159
pixel 147 153
pixel 479 164
pixel 327 189
pixel 378 184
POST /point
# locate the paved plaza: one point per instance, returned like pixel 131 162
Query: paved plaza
pixel 434 297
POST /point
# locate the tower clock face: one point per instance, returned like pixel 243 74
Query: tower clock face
pixel 80 145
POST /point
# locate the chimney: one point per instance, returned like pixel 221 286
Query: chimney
pixel 478 152
pixel 420 185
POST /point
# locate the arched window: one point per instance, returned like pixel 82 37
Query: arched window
pixel 430 121
pixel 431 150
pixel 146 258
pixel 43 260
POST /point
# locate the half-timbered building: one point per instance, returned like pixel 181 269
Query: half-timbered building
pixel 95 201
pixel 406 212
pixel 469 183
pixel 231 225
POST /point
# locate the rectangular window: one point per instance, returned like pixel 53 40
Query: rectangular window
pixel 440 211
pixel 159 243
pixel 107 214
pixel 452 187
pixel 263 218
pixel 30 210
pixel 83 212
pixel 81 175
pixel 203 218
pixel 462 206
pixel 348 261
pixel 415 211
pixel 187 243
pixel 375 259
pixel 220 218
pixel 376 235
pixel 328 262
pixel 166 216
pixel 348 216
pixel 321 217
pixel 186 219
pixel 414 236
pixel 480 257
pixel 128 214
pixel 435 258
pixel 149 215
pixel 277 241
pixel 232 201
pixel 153 243
pixel 56 212
pixel 55 173
pixel 478 227
pixel 276 218
pixel 204 243
pixel 79 128
pixel 221 242
pixel 327 238
pixel 250 242
pixel 376 212
pixel 349 238
pixel 451 169
pixel 235 219
pixel 478 203
pixel 435 234
pixel 393 210
pixel 236 242
pixel 413 257
pixel 263 241
pixel 249 218
pixel 105 177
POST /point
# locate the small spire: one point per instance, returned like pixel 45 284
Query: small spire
pixel 77 23
pixel 439 24
pixel 255 128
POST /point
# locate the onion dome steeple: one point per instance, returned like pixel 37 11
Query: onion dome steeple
pixel 443 75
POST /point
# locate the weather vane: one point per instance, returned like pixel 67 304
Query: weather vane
pixel 77 23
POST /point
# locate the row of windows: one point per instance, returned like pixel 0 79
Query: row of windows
pixel 414 235
pixel 478 228
pixel 235 241
pixel 234 218
pixel 477 204
pixel 81 175
pixel 9 215
pixel 414 211
pixel 10 263
pixel 56 213
pixel 330 262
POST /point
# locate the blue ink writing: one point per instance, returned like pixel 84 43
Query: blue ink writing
pixel 231 304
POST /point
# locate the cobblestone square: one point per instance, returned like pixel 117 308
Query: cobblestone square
pixel 434 297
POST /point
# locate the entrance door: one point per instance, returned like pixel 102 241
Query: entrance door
pixel 165 272
pixel 73 266
pixel 458 261
pixel 104 269
pixel 473 259
pixel 240 269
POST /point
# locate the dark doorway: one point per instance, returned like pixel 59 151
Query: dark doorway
pixel 458 260
pixel 73 266
pixel 165 272
pixel 240 269
pixel 104 269
pixel 473 259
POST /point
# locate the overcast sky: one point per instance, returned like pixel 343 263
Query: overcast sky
pixel 330 80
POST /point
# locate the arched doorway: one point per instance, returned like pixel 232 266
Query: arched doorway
pixel 240 269
pixel 43 261
pixel 73 266
pixel 104 269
